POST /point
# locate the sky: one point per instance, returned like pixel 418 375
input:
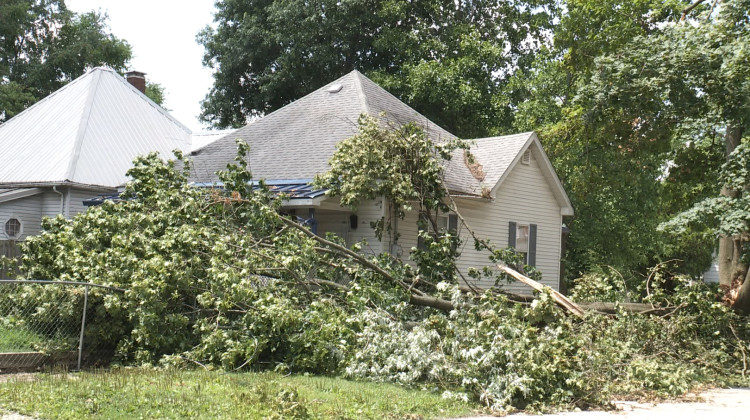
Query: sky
pixel 162 36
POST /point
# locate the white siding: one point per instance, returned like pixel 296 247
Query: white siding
pixel 31 210
pixel 76 200
pixel 27 210
pixel 51 202
pixel 367 212
pixel 524 197
pixel 335 219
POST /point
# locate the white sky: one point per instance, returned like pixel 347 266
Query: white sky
pixel 162 35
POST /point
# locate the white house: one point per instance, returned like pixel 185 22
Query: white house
pixel 74 144
pixel 516 199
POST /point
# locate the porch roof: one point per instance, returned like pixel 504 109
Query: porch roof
pixel 293 189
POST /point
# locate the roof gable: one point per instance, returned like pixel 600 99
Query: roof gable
pixel 87 132
pixel 499 155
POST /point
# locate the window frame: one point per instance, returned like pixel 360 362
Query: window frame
pixel 18 234
pixel 530 253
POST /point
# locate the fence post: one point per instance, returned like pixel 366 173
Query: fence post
pixel 83 324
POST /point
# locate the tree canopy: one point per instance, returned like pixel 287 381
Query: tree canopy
pixel 449 60
pixel 43 46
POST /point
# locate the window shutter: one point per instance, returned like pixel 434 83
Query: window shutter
pixel 532 245
pixel 512 234
pixel 453 224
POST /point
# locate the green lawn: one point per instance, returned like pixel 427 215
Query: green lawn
pixel 136 393
pixel 17 340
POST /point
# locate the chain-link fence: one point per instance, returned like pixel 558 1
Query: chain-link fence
pixel 43 323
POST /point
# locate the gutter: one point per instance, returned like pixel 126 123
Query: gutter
pixel 62 198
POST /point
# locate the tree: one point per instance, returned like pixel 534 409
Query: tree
pixel 683 87
pixel 43 46
pixel 155 92
pixel 224 279
pixel 448 60
pixel 613 152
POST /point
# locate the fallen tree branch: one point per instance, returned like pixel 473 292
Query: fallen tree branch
pixel 347 252
pixel 432 302
pixel 558 297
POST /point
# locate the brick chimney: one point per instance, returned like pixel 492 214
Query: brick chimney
pixel 137 79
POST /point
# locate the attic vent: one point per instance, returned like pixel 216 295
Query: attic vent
pixel 526 158
pixel 335 88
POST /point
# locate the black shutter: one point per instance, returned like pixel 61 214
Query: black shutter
pixel 532 245
pixel 512 234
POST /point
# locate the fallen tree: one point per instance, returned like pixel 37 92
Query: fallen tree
pixel 220 278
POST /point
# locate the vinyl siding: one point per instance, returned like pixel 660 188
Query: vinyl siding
pixel 77 197
pixel 337 221
pixel 369 211
pixel 524 197
pixel 50 204
pixel 31 210
pixel 28 210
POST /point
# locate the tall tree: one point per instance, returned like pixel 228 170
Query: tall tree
pixel 610 128
pixel 43 46
pixel 447 59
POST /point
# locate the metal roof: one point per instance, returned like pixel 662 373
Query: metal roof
pixel 88 133
pixel 292 189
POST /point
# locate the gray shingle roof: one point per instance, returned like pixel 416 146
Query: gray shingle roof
pixel 296 141
pixel 88 133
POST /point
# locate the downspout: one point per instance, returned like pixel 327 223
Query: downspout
pixel 67 205
pixel 62 198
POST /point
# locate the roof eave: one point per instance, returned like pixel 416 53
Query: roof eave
pixel 43 184
pixel 17 194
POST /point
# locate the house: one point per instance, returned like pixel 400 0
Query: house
pixel 516 199
pixel 74 144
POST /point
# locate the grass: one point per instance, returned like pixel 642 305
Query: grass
pixel 17 340
pixel 179 394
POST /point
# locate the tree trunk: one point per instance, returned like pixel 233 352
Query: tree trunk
pixel 732 139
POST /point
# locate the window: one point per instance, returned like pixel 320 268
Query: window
pixel 13 228
pixel 445 223
pixel 522 237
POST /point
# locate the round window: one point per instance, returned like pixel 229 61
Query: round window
pixel 13 228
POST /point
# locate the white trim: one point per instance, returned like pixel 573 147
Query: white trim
pixel 20 230
pixel 19 193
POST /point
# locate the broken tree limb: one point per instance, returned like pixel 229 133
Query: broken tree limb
pixel 432 302
pixel 345 251
pixel 558 297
